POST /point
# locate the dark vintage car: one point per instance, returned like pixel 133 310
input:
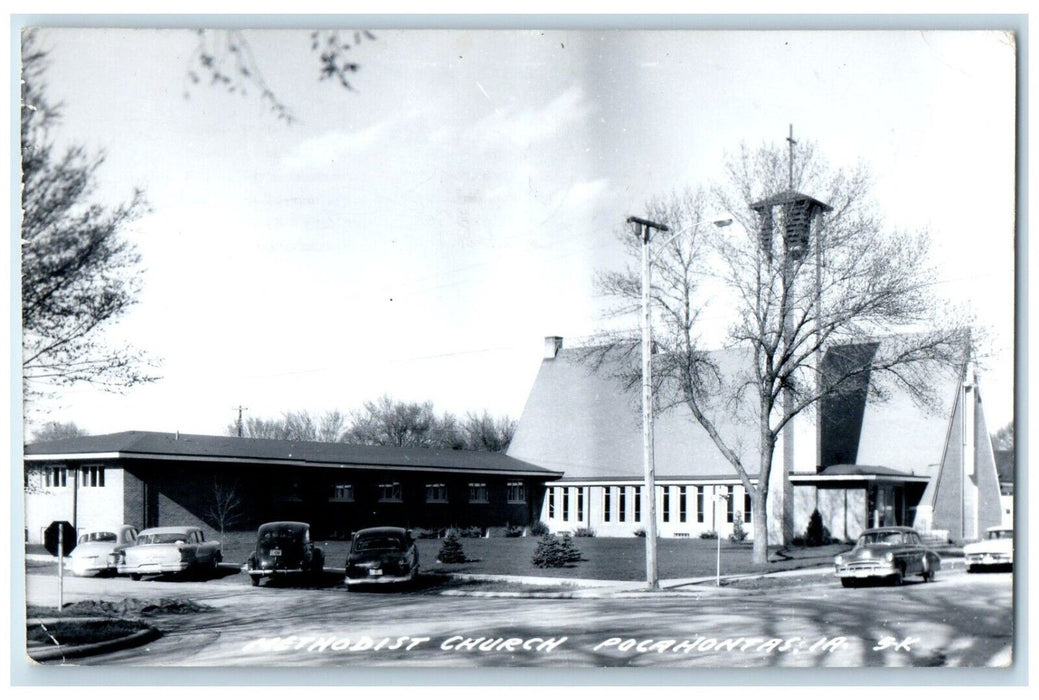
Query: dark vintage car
pixel 381 555
pixel 889 553
pixel 284 548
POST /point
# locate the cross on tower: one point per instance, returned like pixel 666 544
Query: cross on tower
pixel 793 143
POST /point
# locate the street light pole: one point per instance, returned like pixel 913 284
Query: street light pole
pixel 650 492
pixel 642 229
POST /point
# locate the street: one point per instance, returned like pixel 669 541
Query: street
pixel 959 620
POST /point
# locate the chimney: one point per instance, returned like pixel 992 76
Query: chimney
pixel 553 344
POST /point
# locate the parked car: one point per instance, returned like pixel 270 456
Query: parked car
pixel 997 549
pixel 165 550
pixel 91 555
pixel 381 555
pixel 890 553
pixel 284 548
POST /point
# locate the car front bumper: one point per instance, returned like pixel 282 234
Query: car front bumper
pixel 379 579
pixel 82 567
pixel 875 569
pixel 989 559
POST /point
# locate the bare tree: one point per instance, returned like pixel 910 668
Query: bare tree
pixel 849 282
pixel 1003 439
pixel 78 271
pixel 57 430
pixel 225 505
pixel 487 433
pixel 223 58
pixel 331 426
pixel 402 424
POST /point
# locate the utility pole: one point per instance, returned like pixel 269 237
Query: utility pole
pixel 238 423
pixel 642 228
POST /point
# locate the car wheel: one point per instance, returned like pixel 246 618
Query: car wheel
pixel 254 579
pixel 135 577
pixel 970 569
pixel 927 574
pixel 848 582
pixel 897 577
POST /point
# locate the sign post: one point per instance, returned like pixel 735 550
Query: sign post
pixel 60 539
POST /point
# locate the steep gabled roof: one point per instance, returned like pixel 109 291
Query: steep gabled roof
pixel 586 422
pixel 179 447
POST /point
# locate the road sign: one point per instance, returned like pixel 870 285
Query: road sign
pixel 59 531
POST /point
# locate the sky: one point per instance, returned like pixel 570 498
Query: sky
pixel 419 235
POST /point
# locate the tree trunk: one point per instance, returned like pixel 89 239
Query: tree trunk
pixel 757 504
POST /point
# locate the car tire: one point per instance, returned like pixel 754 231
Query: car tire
pixel 135 577
pixel 927 574
pixel 848 582
pixel 898 577
pixel 254 579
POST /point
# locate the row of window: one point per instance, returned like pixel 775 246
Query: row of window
pixel 392 492
pixel 58 477
pixel 616 505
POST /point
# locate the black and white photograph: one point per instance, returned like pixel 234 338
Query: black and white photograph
pixel 557 346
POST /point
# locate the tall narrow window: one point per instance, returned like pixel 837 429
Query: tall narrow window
pixel 515 492
pixel 390 492
pixel 622 504
pixel 551 503
pixel 666 506
pixel 699 504
pixel 580 504
pixel 436 493
pixel 747 509
pixel 477 492
pixel 566 503
pixel 93 476
pixel 638 504
pixel 729 503
pixel 682 503
pixel 607 510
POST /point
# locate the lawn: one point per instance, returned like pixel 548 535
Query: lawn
pixel 604 558
pixel 613 558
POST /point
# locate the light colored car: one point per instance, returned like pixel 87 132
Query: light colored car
pixel 887 553
pixel 93 549
pixel 997 549
pixel 381 555
pixel 167 550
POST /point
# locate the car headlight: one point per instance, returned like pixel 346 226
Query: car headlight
pixel 838 560
pixel 890 556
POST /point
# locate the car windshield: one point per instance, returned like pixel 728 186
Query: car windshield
pixel 370 543
pixel 1001 535
pixel 163 538
pixel 98 537
pixel 884 538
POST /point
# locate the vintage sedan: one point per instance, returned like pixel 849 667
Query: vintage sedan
pixel 889 553
pixel 93 549
pixel 997 549
pixel 167 550
pixel 284 548
pixel 381 555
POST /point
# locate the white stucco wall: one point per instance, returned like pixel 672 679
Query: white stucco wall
pixel 96 507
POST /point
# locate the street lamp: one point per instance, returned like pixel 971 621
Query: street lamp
pixel 642 229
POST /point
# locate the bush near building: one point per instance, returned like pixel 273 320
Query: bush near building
pixel 451 550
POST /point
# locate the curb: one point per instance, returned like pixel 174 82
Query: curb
pixel 70 651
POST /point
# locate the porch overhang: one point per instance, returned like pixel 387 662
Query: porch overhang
pixel 852 475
